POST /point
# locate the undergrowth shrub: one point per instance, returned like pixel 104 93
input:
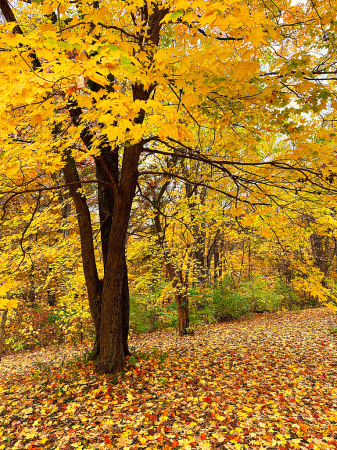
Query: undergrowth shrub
pixel 231 302
pixel 228 301
pixel 259 296
pixel 29 328
pixel 148 317
pixel 229 305
pixel 290 299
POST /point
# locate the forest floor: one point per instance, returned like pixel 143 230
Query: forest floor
pixel 268 382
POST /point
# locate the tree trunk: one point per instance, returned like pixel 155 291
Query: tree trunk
pixel 249 261
pixel 221 260
pixel 125 310
pixel 31 295
pixel 111 351
pixel 106 166
pixel 112 347
pixel 212 252
pixel 177 280
pixel 93 284
pixel 216 264
pixel 2 329
pixel 323 251
pixel 183 317
pixel 51 299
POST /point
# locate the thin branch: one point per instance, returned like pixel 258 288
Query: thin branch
pixel 29 223
pixel 175 175
pixel 113 27
pixel 40 190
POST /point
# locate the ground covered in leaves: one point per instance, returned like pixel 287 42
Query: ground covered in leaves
pixel 264 383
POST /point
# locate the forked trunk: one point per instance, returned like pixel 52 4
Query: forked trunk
pixel 106 166
pixel 114 309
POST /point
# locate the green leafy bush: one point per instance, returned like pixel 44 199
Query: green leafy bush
pixel 290 300
pixel 201 308
pixel 148 317
pixel 230 302
pixel 259 296
pixel 229 306
pixel 40 326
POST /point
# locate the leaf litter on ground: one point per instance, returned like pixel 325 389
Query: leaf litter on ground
pixel 268 382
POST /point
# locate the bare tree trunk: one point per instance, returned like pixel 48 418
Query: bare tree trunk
pixel 93 284
pixel 51 298
pixel 216 264
pixel 125 310
pixel 183 317
pixel 323 251
pixel 2 329
pixel 31 295
pixel 242 259
pixel 213 249
pixel 221 257
pixel 107 165
pixel 176 277
pixel 249 261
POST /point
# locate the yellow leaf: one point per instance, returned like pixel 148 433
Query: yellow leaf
pixel 36 120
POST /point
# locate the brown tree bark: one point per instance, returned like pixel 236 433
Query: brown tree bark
pixel 111 358
pixel 216 264
pixel 93 284
pixel 106 166
pixel 212 252
pixel 323 250
pixel 2 329
pixel 51 298
pixel 176 277
pixel 183 315
pixel 199 231
pixel 125 310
